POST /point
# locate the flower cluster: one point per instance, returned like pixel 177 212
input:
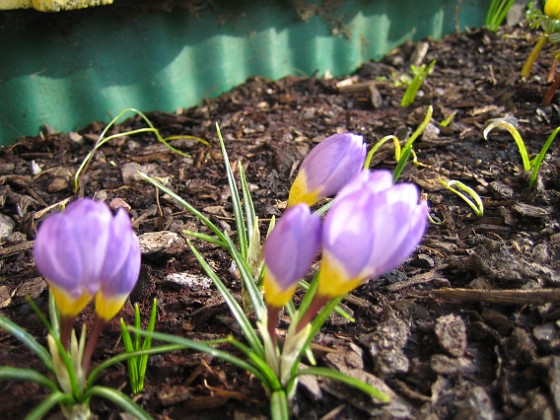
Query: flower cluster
pixel 86 253
pixel 372 227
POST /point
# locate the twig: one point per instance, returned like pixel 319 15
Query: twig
pixel 505 297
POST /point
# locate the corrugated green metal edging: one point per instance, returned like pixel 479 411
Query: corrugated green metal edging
pixel 69 69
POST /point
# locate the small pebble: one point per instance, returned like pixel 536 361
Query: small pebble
pixel 192 281
pixel 167 242
pixel 547 335
pixel 6 226
pixel 452 334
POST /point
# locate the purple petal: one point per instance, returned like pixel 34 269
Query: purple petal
pixel 292 245
pixel 374 225
pixel 122 261
pixel 333 163
pixel 57 254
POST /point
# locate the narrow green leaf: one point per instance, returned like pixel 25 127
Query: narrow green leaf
pixel 143 365
pixel 121 400
pixel 536 163
pixel 324 208
pixel 410 93
pixel 279 406
pixel 401 163
pixel 23 374
pixel 376 146
pixel 205 347
pixel 235 199
pixel 420 129
pixel 126 339
pixel 238 313
pixel 54 315
pixel 123 357
pixel 247 278
pixel 185 204
pixel 137 324
pixel 292 312
pixel 260 363
pixel 516 136
pixel 346 379
pixel 131 362
pixel 204 237
pixel 54 399
pixel 76 390
pixel 28 341
pixel 248 201
pixel 102 139
pixel 476 206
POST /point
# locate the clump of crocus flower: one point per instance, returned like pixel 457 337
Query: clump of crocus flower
pixel 87 253
pixel 371 228
pixel 327 168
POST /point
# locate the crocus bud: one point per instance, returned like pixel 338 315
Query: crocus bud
pixel 85 251
pixel 552 9
pixel 289 251
pixel 372 227
pixel 327 168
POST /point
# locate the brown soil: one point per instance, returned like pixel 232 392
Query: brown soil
pixel 466 328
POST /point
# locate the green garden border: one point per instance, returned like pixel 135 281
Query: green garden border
pixel 68 69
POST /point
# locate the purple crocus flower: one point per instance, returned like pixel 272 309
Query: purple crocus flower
pixel 289 251
pixel 372 227
pixel 85 251
pixel 327 168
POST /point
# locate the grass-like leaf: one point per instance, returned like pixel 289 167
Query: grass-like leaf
pixel 401 163
pixel 376 146
pixel 123 357
pixel 236 309
pixel 346 379
pixel 121 400
pixel 250 214
pixel 246 277
pixel 537 161
pixel 416 83
pixel 533 165
pixel 497 12
pixel 27 340
pixel 103 138
pixel 260 363
pixel 186 205
pixel 476 205
pixel 137 365
pixel 279 409
pixel 206 347
pixel 235 200
pixel 54 399
pixel 23 374
pixel 510 128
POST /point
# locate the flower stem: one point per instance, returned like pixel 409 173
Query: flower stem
pixel 550 92
pixel 66 326
pixel 314 307
pixel 532 57
pixel 272 322
pixel 92 342
pixel 552 70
